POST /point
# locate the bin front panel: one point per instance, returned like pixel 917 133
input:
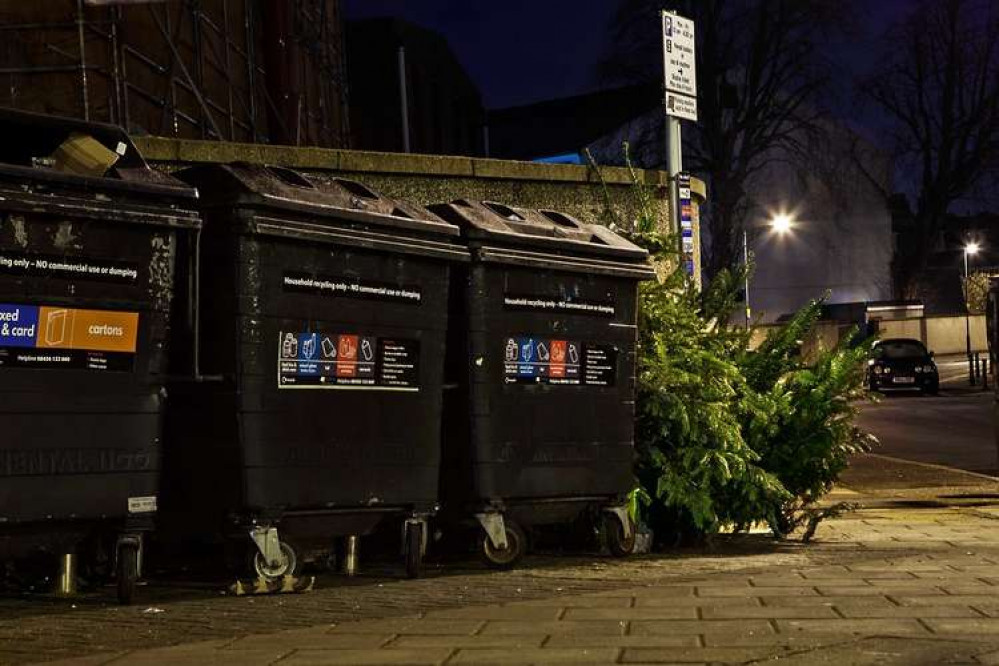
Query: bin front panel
pixel 552 383
pixel 83 331
pixel 339 359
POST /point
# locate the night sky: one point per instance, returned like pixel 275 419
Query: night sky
pixel 516 51
pixel 524 51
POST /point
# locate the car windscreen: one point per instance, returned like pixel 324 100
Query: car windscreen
pixel 899 349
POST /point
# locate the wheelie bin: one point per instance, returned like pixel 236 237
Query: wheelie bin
pixel 88 234
pixel 323 313
pixel 541 348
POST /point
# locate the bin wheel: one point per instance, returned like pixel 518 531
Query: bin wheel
pixel 616 543
pixel 290 564
pixel 516 547
pixel 128 572
pixel 414 550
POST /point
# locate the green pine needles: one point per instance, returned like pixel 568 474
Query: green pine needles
pixel 728 438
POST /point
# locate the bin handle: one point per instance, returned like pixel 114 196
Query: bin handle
pixel 194 312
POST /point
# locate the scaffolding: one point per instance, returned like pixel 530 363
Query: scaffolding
pixel 267 71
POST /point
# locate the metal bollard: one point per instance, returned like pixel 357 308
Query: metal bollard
pixel 351 555
pixel 66 585
pixel 971 370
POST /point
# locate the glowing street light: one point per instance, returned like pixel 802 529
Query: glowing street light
pixel 780 224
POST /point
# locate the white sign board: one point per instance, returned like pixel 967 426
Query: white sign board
pixel 680 66
pixel 681 106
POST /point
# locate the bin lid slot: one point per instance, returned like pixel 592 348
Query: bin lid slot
pixel 355 188
pixel 505 212
pixel 561 219
pixel 290 177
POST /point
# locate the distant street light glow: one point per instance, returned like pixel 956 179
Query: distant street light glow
pixel 781 223
pixel 971 248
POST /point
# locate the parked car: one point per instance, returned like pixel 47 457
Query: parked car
pixel 902 363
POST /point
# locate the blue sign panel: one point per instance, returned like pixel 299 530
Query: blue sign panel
pixel 18 325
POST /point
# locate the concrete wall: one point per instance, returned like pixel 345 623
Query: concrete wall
pixel 942 334
pixel 826 335
pixel 426 179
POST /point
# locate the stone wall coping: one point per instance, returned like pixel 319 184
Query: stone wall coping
pixel 165 149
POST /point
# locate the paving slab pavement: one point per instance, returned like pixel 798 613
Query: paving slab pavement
pixel 910 578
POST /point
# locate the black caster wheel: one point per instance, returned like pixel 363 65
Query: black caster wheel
pixel 506 558
pixel 289 564
pixel 618 545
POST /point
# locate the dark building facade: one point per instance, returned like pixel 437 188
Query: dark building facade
pixel 444 107
pixel 237 70
pixel 567 125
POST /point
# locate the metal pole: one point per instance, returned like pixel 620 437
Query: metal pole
pixel 967 322
pixel 745 262
pixel 66 585
pixel 351 555
pixel 403 100
pixel 83 59
pixel 674 139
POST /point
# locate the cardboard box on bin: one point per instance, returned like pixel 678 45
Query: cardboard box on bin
pixel 82 154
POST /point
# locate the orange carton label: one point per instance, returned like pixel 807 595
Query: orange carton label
pixel 92 330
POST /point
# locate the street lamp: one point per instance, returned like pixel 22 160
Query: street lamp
pixel 780 224
pixel 970 250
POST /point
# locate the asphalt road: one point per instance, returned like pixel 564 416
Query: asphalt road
pixel 953 429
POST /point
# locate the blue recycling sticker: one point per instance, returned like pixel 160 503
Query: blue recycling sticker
pixel 18 325
pixel 527 357
pixel 308 354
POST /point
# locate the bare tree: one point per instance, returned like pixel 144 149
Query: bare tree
pixel 939 88
pixel 759 71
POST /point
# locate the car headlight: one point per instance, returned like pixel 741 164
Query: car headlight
pixel 920 369
pixel 929 368
pixel 877 369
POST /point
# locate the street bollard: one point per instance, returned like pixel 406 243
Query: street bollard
pixel 985 372
pixel 971 370
pixel 66 585
pixel 351 555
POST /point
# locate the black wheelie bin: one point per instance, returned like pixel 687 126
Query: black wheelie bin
pixel 542 348
pixel 323 315
pixel 88 237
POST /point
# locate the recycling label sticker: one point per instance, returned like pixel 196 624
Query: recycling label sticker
pixel 537 360
pixel 325 360
pixel 46 337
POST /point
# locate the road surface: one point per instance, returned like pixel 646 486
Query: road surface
pixel 953 429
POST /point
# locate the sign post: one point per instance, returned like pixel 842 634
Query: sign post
pixel 680 102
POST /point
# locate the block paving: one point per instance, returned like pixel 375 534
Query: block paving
pixel 889 584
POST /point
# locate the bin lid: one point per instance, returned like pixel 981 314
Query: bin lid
pixel 77 154
pixel 317 208
pixel 503 233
